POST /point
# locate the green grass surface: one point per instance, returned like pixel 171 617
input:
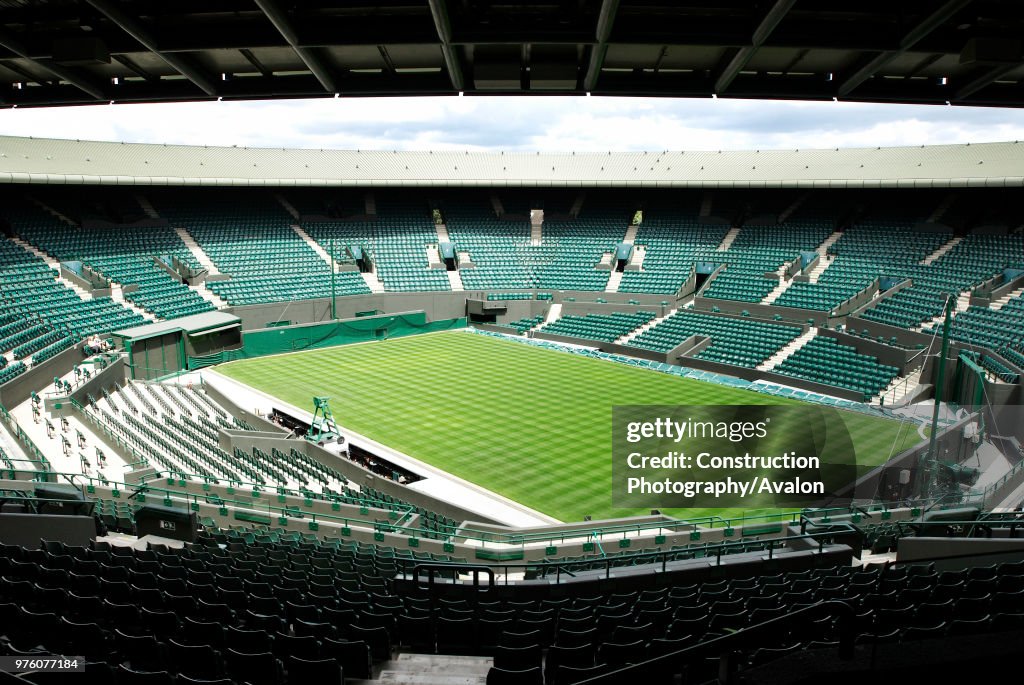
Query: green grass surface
pixel 531 424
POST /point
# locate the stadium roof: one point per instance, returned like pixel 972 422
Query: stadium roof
pixel 54 161
pixel 58 52
pixel 207 322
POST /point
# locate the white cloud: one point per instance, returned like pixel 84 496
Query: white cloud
pixel 550 124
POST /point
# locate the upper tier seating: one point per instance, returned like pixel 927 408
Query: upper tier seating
pixel 500 248
pixel 1001 330
pixel 976 258
pixel 122 255
pixel 397 242
pixel 761 249
pixel 251 239
pixel 672 240
pixel 38 311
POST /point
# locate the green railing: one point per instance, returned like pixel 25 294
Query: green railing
pixel 258 499
pixel 181 478
pixel 140 459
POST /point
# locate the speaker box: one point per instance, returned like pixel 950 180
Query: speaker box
pixel 166 522
pixel 66 500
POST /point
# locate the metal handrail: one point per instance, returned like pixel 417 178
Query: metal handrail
pixel 722 645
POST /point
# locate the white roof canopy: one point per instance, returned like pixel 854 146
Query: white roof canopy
pixel 54 161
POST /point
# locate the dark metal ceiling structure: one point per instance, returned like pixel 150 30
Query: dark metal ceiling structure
pixel 959 52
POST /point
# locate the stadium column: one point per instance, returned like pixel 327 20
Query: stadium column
pixel 334 304
pixel 929 461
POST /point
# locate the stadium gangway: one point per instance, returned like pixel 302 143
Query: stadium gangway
pixel 255 506
pixel 404 511
pixel 555 570
pixel 26 441
pixel 986 526
pixel 725 646
pixel 284 513
pixel 686 525
pixel 139 493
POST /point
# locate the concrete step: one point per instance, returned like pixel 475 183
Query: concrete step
pixel 499 209
pixel 209 296
pixel 824 262
pixel 614 279
pixel 788 211
pixel 943 207
pixel 895 392
pixel 146 206
pixel 536 231
pixel 639 253
pixel 433 669
pixel 455 281
pixel 372 282
pixel 624 340
pixel 777 291
pixel 943 249
pixel 197 251
pixel 442 233
pixel 706 202
pixel 787 351
pixel 117 294
pixel 1005 299
pixel 554 312
pixel 53 212
pixel 728 239
pixel 314 245
pixel 288 206
pixel 631 233
pixel 433 257
pixel 577 205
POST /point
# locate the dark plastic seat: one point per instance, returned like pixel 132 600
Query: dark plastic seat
pixel 578 657
pixel 417 633
pixel 248 641
pixel 570 675
pixel 195 661
pixel 254 668
pixel 527 676
pixel 128 676
pixel 517 658
pixel 139 652
pixel 320 671
pixel 304 647
pixel 354 657
pixel 619 654
pixel 457 636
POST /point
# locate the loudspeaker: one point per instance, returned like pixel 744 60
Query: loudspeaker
pixel 166 522
pixel 65 500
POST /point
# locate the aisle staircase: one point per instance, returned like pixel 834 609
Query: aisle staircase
pixel 787 351
pixel 624 340
pixel 430 669
pixel 197 252
pixel 147 206
pixel 943 249
pixel 288 206
pixel 1001 302
pixel 900 388
pixel 728 239
pixel 554 311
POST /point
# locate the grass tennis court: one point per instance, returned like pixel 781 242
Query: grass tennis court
pixel 531 424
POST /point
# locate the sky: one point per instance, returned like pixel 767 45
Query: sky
pixel 547 124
